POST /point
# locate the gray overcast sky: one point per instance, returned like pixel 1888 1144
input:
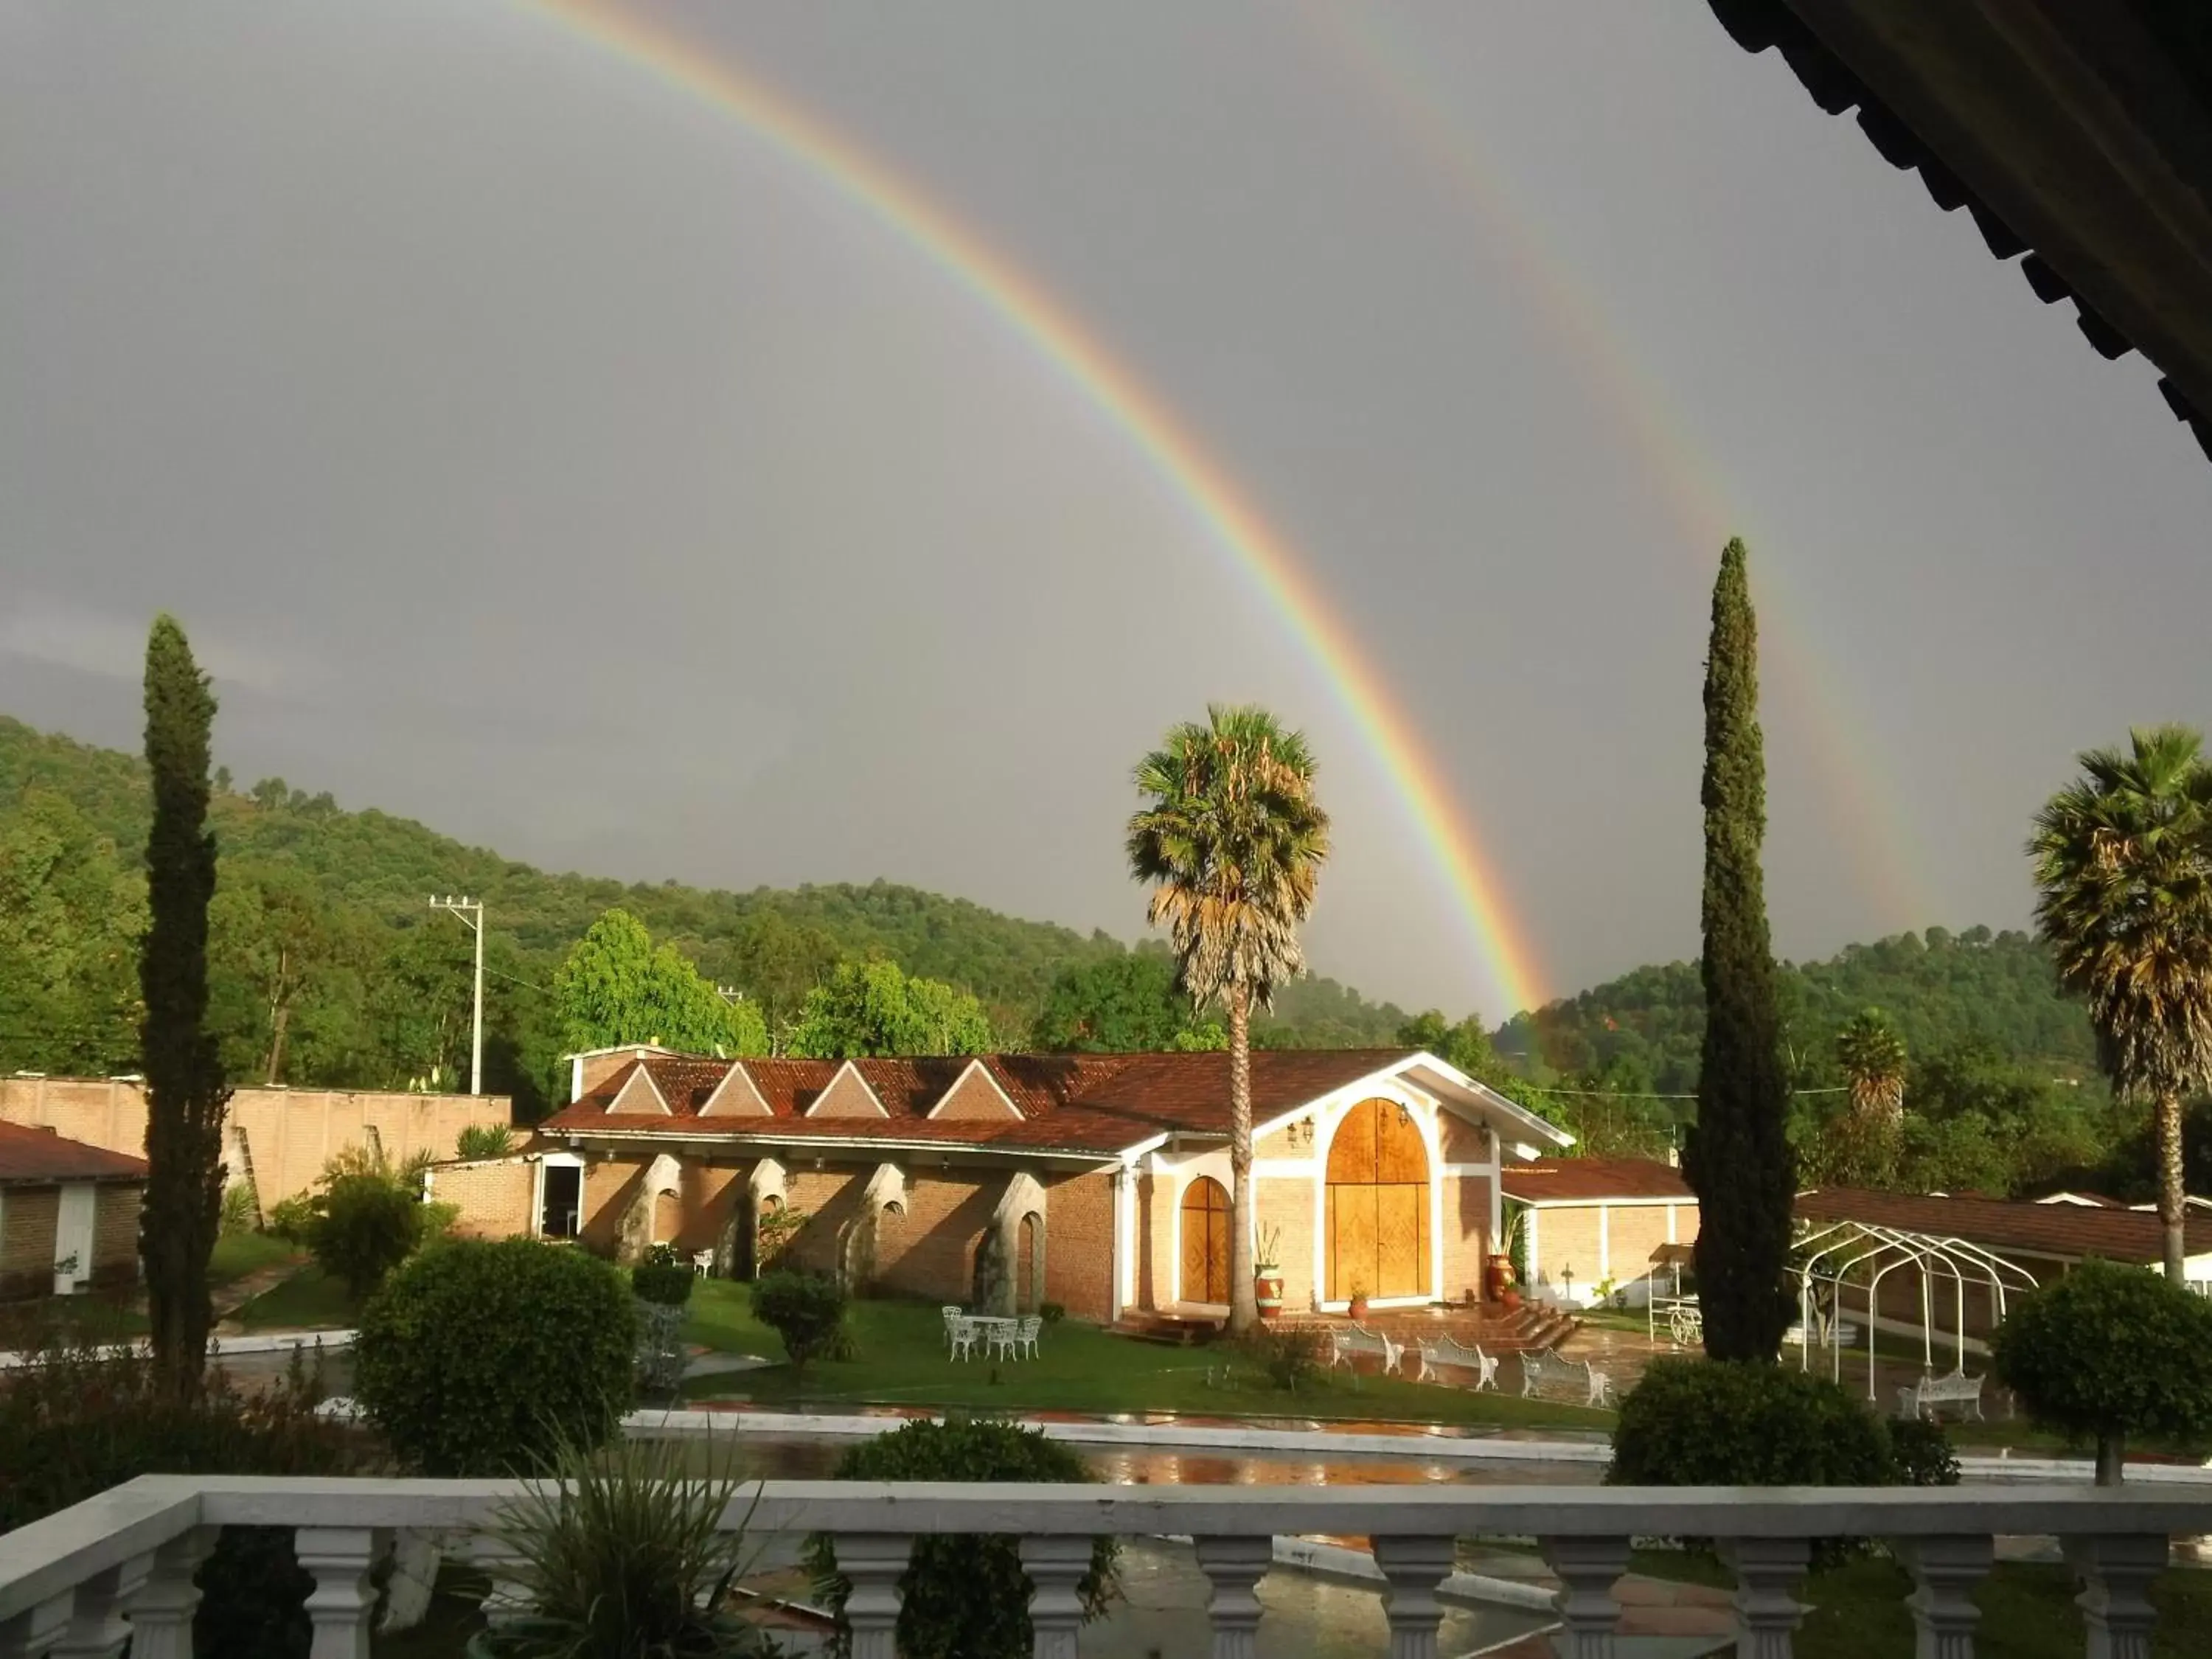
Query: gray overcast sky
pixel 534 449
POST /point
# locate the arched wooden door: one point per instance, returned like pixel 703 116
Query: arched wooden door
pixel 1378 1204
pixel 1205 1241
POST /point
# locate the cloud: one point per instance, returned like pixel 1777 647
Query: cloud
pixel 67 634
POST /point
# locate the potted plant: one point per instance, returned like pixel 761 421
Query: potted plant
pixel 1357 1306
pixel 621 1554
pixel 1500 1277
pixel 1267 1273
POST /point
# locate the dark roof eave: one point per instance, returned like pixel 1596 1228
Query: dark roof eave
pixel 884 1142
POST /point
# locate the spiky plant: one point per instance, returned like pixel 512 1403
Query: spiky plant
pixel 2122 860
pixel 1872 1056
pixel 1231 839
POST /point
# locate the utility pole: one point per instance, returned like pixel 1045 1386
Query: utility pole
pixel 472 912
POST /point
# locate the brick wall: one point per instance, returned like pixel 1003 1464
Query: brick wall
pixel 291 1133
pixel 610 1185
pixel 1466 1235
pixel 929 1251
pixel 28 1216
pixel 1463 1142
pixel 1286 1203
pixel 1078 1263
pixel 1566 1238
pixel 830 1198
pixel 115 1232
pixel 1637 1237
pixel 494 1197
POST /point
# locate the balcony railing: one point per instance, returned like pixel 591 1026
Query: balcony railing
pixel 119 1566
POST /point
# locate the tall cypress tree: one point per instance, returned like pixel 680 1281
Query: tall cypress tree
pixel 185 1091
pixel 1737 1159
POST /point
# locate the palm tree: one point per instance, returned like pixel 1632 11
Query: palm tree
pixel 1872 1056
pixel 1231 842
pixel 2124 863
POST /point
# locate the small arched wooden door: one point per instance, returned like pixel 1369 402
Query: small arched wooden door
pixel 1205 1241
pixel 1378 1204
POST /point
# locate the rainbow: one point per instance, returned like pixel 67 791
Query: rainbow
pixel 1705 509
pixel 1173 452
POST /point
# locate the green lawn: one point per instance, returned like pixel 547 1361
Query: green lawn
pixel 238 1254
pixel 309 1300
pixel 2027 1608
pixel 900 1360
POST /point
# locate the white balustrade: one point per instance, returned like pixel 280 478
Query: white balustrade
pixel 122 1564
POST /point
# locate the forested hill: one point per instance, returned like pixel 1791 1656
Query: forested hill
pixel 1943 992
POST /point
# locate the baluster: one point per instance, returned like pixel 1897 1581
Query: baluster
pixel 34 1631
pixel 1233 1566
pixel 1414 1566
pixel 161 1610
pixel 2116 1573
pixel 875 1562
pixel 1945 1571
pixel 97 1629
pixel 1588 1569
pixel 341 1605
pixel 1766 1571
pixel 1055 1567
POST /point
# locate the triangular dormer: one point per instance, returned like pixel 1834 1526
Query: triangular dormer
pixel 847 1095
pixel 640 1094
pixel 736 1095
pixel 976 1094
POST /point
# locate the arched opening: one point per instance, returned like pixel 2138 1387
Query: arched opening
pixel 1377 1204
pixel 1029 1268
pixel 1204 1241
pixel 667 1218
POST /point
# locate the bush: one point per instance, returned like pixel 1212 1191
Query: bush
pixel 664 1277
pixel 622 1556
pixel 80 1420
pixel 2106 1353
pixel 963 1597
pixel 292 1217
pixel 807 1310
pixel 1051 1312
pixel 1920 1454
pixel 1292 1356
pixel 363 1226
pixel 485 1140
pixel 482 1357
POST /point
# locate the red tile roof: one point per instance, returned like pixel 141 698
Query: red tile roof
pixel 2060 1230
pixel 1092 1104
pixel 1592 1180
pixel 35 1156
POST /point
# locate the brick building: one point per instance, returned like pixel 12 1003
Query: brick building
pixel 69 1213
pixel 1099 1182
pixel 1592 1220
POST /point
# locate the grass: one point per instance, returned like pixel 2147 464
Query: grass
pixel 901 1361
pixel 309 1300
pixel 2027 1608
pixel 238 1254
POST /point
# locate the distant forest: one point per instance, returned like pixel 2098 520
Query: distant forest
pixel 329 967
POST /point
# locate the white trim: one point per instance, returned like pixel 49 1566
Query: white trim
pixel 1125 1262
pixel 1423 1109
pixel 615 1107
pixel 973 1065
pixel 1671 1239
pixel 1585 1203
pixel 558 1161
pixel 874 1099
pixel 760 1101
pixel 1536 1262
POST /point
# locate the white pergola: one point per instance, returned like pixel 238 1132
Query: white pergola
pixel 1832 1255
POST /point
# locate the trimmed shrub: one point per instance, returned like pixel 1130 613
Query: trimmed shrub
pixel 807 1310
pixel 963 1597
pixel 663 1277
pixel 362 1227
pixel 1920 1454
pixel 2109 1353
pixel 480 1357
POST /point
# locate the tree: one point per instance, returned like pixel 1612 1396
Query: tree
pixel 1873 1061
pixel 778 961
pixel 877 1008
pixel 71 916
pixel 185 1090
pixel 2110 1352
pixel 2123 861
pixel 1125 1004
pixel 1231 839
pixel 1737 1159
pixel 615 987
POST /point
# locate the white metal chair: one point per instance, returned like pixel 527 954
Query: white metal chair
pixel 1026 1337
pixel 951 1318
pixel 965 1331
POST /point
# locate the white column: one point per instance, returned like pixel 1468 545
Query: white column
pixel 1055 1567
pixel 875 1562
pixel 341 1605
pixel 1945 1572
pixel 1587 1569
pixel 161 1611
pixel 2115 1603
pixel 97 1628
pixel 1766 1571
pixel 1233 1566
pixel 1414 1566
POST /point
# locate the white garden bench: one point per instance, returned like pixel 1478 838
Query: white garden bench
pixel 1927 1397
pixel 1538 1368
pixel 1450 1351
pixel 1347 1344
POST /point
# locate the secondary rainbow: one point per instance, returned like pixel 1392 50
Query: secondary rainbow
pixel 1175 452
pixel 1371 42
